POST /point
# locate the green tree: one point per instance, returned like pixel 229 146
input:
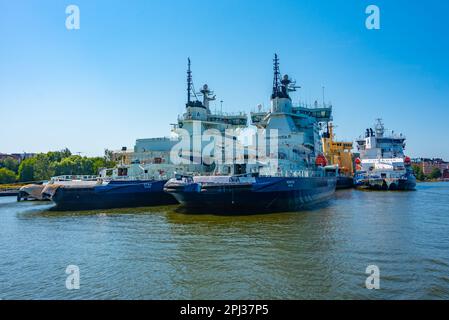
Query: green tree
pixel 65 167
pixel 57 156
pixel 43 167
pixel 65 153
pixel 435 173
pixel 56 163
pixel 26 170
pixel 100 163
pixel 7 176
pixel 10 163
pixel 77 165
pixel 419 174
pixel 72 165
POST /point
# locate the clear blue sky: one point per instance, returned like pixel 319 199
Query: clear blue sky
pixel 122 75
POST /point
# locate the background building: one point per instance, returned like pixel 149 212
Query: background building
pixel 428 165
pixel 17 156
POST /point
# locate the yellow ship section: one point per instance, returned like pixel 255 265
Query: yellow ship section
pixel 338 153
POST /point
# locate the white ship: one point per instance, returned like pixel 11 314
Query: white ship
pixel 151 157
pixel 292 171
pixel 382 164
pixel 139 178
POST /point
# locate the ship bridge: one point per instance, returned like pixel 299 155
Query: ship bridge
pixel 320 113
pixel 215 120
pixel 299 111
pixel 200 111
pixel 380 143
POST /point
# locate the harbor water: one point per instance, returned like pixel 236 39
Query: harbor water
pixel 159 253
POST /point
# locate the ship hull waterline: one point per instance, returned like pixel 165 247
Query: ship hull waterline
pixel 380 184
pixel 344 182
pixel 113 195
pixel 281 195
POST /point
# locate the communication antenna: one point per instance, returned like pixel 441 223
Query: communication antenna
pixel 277 75
pixel 190 87
pixel 189 80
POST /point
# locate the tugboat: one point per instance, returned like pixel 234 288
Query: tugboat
pixel 338 153
pixel 382 164
pixel 294 173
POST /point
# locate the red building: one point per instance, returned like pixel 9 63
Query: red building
pixel 446 174
pixel 427 166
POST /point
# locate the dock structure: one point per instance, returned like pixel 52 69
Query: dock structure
pixel 9 193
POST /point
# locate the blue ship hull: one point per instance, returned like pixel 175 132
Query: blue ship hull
pixel 115 194
pixel 344 182
pixel 267 194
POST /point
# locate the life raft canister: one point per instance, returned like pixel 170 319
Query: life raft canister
pixel 358 167
pixel 407 161
pixel 321 161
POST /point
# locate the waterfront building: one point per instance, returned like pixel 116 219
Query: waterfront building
pixel 429 164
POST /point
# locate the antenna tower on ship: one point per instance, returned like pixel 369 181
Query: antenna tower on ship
pixel 276 77
pixel 189 81
pixel 380 129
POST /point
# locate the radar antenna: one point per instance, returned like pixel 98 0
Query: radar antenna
pixel 207 96
pixel 281 87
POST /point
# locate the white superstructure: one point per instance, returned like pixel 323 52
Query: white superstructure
pixel 151 158
pixel 382 163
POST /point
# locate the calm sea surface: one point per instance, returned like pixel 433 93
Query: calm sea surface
pixel 157 253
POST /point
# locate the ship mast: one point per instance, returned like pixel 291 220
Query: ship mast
pixel 380 129
pixel 281 85
pixel 189 81
pixel 276 77
pixel 190 88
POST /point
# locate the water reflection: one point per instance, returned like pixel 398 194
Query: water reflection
pixel 151 253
